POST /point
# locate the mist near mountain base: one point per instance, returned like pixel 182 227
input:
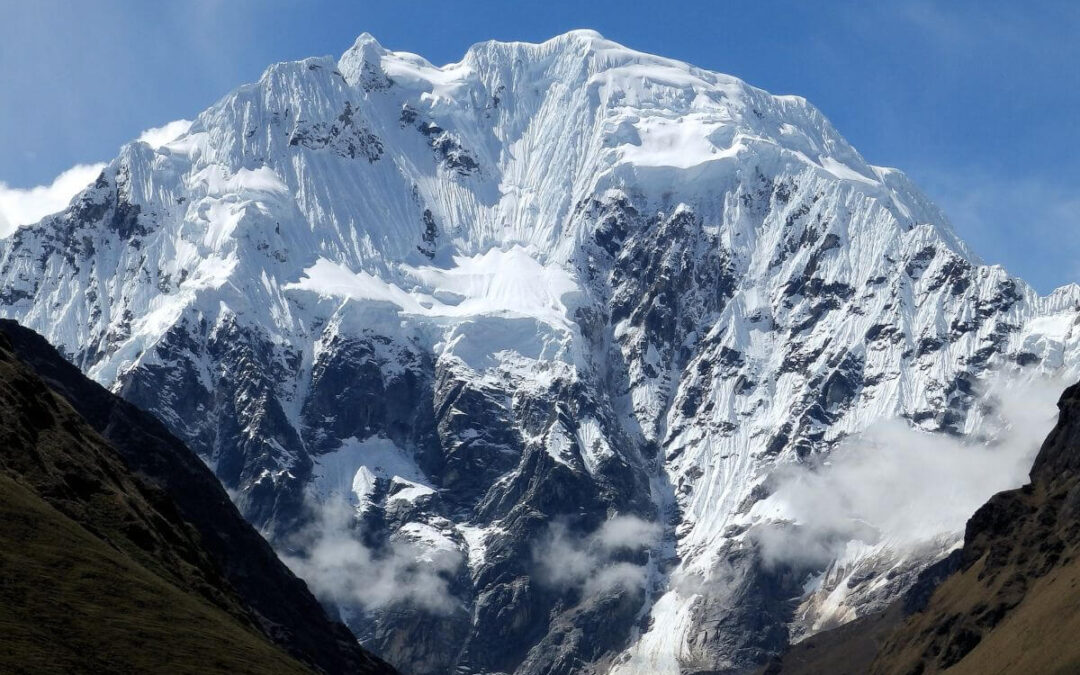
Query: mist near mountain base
pixel 331 557
pixel 595 561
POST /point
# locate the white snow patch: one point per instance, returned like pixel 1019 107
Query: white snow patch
pixel 353 469
pixel 476 540
pixel 432 542
pixel 510 283
pixel 844 171
pixel 682 143
pixel 219 182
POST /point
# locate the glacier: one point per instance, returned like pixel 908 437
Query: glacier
pixel 539 290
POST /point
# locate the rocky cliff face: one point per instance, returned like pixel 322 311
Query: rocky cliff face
pixel 546 320
pixel 122 552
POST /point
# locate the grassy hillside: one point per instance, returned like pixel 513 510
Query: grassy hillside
pixel 117 472
pixel 98 571
pixel 73 602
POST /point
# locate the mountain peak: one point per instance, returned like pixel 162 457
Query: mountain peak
pixel 366 45
pixel 587 34
pixel 363 61
pixel 551 282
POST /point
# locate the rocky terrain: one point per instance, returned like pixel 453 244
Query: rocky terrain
pixel 121 552
pixel 502 355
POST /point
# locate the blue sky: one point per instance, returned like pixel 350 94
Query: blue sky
pixel 978 101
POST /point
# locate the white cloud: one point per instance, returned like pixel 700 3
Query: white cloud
pixel 332 558
pixel 159 136
pixel 902 487
pixel 592 561
pixel 23 206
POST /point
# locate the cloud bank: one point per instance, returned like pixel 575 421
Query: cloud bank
pixel 24 206
pixel 901 487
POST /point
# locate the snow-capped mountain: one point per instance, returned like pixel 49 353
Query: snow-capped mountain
pixel 546 319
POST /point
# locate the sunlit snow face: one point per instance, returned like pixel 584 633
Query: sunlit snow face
pixel 501 301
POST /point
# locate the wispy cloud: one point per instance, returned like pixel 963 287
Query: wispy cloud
pixel 331 556
pixel 598 561
pixel 23 206
pixel 159 136
pixel 969 30
pixel 953 29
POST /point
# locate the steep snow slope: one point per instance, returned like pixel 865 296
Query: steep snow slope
pixel 559 301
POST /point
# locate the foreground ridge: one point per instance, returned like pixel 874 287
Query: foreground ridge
pixel 123 553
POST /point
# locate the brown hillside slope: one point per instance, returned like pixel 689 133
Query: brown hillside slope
pixel 120 551
pixel 98 573
pixel 1014 607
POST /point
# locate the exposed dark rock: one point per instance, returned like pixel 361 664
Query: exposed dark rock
pixel 346 137
pixel 429 235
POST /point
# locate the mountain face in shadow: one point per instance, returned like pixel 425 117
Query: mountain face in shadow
pixel 119 550
pixel 1007 602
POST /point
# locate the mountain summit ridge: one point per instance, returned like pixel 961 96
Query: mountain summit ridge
pixel 328 287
